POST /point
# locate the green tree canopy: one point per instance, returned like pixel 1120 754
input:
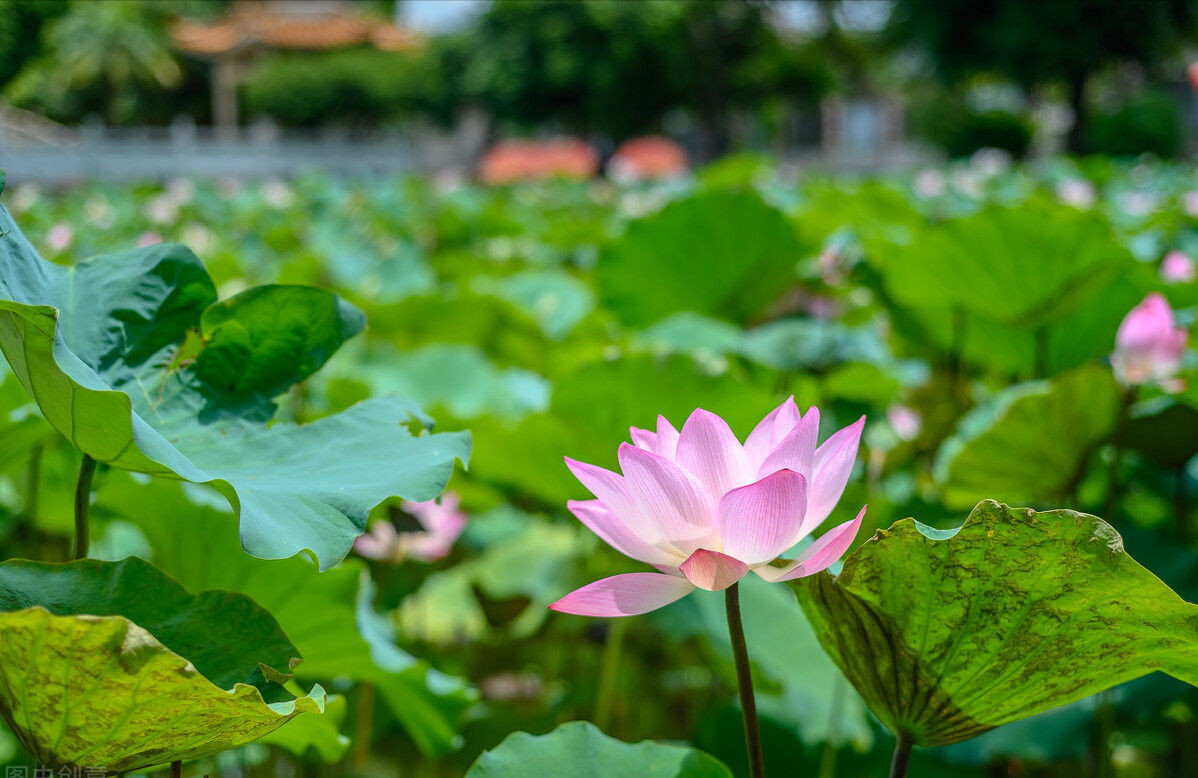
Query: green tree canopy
pixel 1044 42
pixel 618 68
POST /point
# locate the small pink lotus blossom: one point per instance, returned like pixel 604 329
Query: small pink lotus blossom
pixel 1189 202
pixel 906 422
pixel 1077 192
pixel 60 237
pixel 161 209
pixel 1148 346
pixel 705 510
pixel 149 238
pixel 1178 268
pixel 930 183
pixel 442 523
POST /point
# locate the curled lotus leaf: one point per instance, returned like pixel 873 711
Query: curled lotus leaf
pixel 132 357
pixel 114 667
pixel 947 634
pixel 580 749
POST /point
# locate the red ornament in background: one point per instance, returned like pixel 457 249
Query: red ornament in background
pixel 1192 74
pixel 647 158
pixel 510 161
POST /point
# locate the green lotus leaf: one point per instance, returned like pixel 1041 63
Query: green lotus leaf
pixel 1022 266
pixel 345 639
pixel 317 735
pixel 949 634
pixel 1032 443
pixel 580 750
pixel 1029 290
pixel 113 665
pixel 131 357
pixel 589 414
pixel 723 254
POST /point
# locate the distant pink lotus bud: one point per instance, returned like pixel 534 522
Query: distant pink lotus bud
pixel 60 237
pixel 442 523
pixel 161 209
pixel 1178 268
pixel 705 510
pixel 930 183
pixel 905 421
pixel 1138 203
pixel 149 238
pixel 1148 346
pixel 821 307
pixel 1077 192
pixel 1189 202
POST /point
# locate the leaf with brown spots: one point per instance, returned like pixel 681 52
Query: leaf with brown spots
pixel 948 634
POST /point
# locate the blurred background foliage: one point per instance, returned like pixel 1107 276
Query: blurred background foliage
pixel 967 307
pixel 972 75
pixel 967 310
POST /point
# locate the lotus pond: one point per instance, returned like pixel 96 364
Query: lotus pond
pixel 519 473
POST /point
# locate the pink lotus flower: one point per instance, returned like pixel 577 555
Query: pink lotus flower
pixel 60 237
pixel 1077 192
pixel 906 422
pixel 1177 268
pixel 705 510
pixel 442 523
pixel 149 238
pixel 1189 202
pixel 1148 347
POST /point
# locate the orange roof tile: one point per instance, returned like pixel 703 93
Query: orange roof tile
pixel 280 31
pixel 509 161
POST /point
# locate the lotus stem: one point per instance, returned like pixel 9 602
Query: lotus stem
pixel 827 761
pixel 902 755
pixel 1113 484
pixel 364 730
pixel 176 770
pixel 744 682
pixel 609 673
pixel 1181 508
pixel 32 488
pixel 83 499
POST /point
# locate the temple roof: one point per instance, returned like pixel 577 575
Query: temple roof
pixel 282 25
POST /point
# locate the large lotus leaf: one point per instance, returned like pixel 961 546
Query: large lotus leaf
pixel 314 734
pixel 556 299
pixel 1026 291
pixel 113 665
pixel 20 430
pixel 1032 443
pixel 949 634
pixel 8 745
pixel 590 412
pixel 723 254
pixel 327 615
pixel 454 376
pixel 1018 266
pixel 107 349
pixel 580 750
pixel 786 345
pixel 875 213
